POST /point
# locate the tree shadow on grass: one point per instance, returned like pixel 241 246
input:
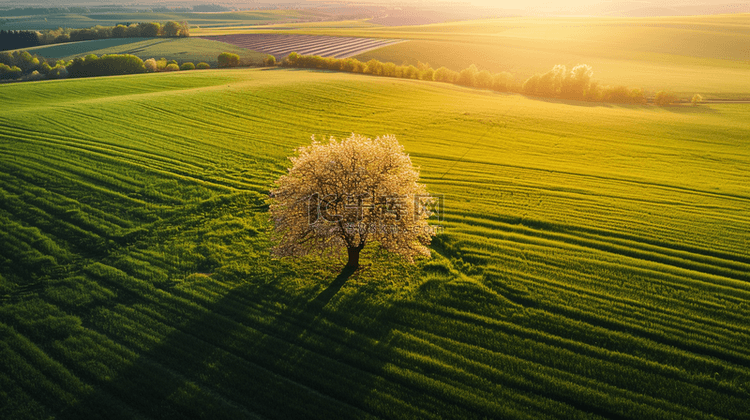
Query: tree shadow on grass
pixel 578 103
pixel 258 351
pixel 326 295
pixel 689 109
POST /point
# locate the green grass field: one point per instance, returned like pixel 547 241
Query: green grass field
pixel 180 49
pixel 594 265
pixel 698 54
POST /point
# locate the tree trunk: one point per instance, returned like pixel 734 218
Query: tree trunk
pixel 353 257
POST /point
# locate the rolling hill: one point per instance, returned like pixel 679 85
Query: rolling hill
pixel 594 262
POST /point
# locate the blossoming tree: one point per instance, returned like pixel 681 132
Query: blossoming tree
pixel 341 195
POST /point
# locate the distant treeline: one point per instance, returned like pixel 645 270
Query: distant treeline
pixel 502 82
pixel 40 11
pixel 134 30
pixel 12 40
pixel 36 11
pixel 559 82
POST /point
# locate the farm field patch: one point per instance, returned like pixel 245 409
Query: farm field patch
pixel 180 49
pixel 207 20
pixel 325 46
pixel 594 262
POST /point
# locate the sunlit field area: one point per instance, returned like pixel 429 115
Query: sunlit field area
pixel 594 264
pixel 696 54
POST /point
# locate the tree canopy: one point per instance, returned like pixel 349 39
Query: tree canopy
pixel 343 194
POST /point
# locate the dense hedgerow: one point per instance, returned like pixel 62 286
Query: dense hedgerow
pixel 227 59
pixel 24 39
pixel 502 82
pixel 21 65
pixel 664 98
pixel 135 30
pixel 577 84
pixel 557 83
pixel 106 65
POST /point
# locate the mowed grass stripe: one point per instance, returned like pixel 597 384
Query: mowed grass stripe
pixel 474 323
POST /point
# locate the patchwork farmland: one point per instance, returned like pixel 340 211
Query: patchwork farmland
pixel 325 46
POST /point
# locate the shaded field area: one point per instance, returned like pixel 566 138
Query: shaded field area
pixel 207 20
pixel 180 49
pixel 594 262
pixel 325 46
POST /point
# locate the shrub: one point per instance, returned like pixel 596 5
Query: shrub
pixel 594 92
pixel 187 66
pixel 227 59
pixel 150 30
pixel 269 61
pixel 151 65
pixel 291 60
pixel 550 83
pixel 410 72
pixel 663 98
pixel 58 72
pixel 119 31
pixel 502 82
pixel 483 80
pixel 697 99
pixel 576 83
pixel 172 29
pixel 389 69
pixel 9 73
pixel 35 75
pixel 172 67
pixel 202 66
pixel 619 94
pixel 444 74
pixel 531 85
pixel 173 62
pixel 132 31
pixel 25 61
pixel 45 68
pixel 348 65
pixel 333 64
pixel 374 67
pixel 637 96
pixel 468 76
